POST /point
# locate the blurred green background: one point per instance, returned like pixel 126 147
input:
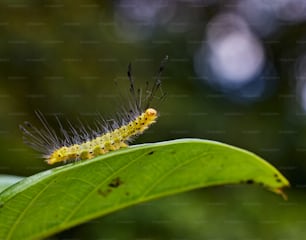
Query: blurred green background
pixel 236 74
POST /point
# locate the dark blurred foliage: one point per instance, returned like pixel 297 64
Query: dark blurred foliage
pixel 236 74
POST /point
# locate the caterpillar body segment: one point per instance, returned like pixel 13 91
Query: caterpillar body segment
pixel 107 142
pixel 86 142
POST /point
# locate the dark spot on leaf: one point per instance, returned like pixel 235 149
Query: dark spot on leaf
pixel 127 194
pixel 150 153
pixel 250 181
pixel 116 182
pixel 278 180
pixel 104 193
pixel 275 175
pixel 101 192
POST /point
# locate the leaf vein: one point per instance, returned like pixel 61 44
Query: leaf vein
pixel 30 203
pixel 99 185
pixel 166 174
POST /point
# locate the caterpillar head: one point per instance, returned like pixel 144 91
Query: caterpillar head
pixel 151 113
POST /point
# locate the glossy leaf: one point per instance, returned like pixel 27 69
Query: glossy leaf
pixel 57 199
pixel 8 180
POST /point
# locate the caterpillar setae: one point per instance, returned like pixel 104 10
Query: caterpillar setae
pixel 86 142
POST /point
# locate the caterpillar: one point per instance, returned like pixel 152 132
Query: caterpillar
pixel 86 142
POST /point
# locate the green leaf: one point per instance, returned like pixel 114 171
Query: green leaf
pixel 57 199
pixel 8 180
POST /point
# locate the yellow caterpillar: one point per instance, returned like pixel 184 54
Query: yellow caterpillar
pixel 86 143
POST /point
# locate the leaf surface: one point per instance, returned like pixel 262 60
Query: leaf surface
pixel 8 180
pixel 57 199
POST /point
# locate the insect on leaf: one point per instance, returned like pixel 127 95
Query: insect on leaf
pixel 63 197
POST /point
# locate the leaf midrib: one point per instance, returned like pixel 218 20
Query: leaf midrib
pixel 16 223
pixel 99 185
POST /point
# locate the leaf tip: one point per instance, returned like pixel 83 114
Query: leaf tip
pixel 280 191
